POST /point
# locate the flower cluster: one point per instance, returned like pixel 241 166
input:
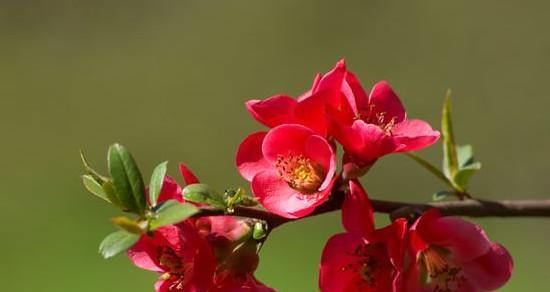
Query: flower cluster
pixel 213 254
pixel 195 239
pixel 292 170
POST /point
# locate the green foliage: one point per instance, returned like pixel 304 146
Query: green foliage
pixel 203 194
pixel 450 161
pixel 458 161
pixel 172 212
pixel 129 225
pixel 157 179
pixel 127 179
pixel 94 187
pixel 116 243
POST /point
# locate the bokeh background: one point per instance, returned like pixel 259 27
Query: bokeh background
pixel 168 79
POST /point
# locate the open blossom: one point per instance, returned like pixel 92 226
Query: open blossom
pixel 308 109
pixel 368 126
pixel 184 258
pixel 363 259
pixel 375 125
pixel 291 169
pixel 450 254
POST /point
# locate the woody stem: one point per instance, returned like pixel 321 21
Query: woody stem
pixel 469 207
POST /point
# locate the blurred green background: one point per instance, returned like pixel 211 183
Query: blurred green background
pixel 168 79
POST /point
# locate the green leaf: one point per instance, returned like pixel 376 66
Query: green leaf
pixel 165 205
pixel 111 193
pixel 116 243
pixel 94 187
pixel 129 224
pixel 157 180
pixel 450 160
pixel 127 179
pixel 172 214
pixel 203 194
pixel 431 168
pixel 465 154
pixel 89 170
pixel 463 176
pixel 441 195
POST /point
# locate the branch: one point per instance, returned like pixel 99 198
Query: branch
pixel 470 207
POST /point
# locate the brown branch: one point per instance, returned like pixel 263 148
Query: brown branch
pixel 470 208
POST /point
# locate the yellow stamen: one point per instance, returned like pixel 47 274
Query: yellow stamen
pixel 300 173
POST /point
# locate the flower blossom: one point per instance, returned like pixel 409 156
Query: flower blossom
pixel 291 169
pixel 369 127
pixel 450 254
pixel 363 258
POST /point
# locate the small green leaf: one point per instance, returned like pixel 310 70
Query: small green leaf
pixel 465 154
pixel 111 193
pixel 89 170
pixel 172 214
pixel 94 187
pixel 127 179
pixel 164 205
pixel 450 160
pixel 463 176
pixel 157 180
pixel 129 225
pixel 116 243
pixel 441 195
pixel 203 194
pixel 430 167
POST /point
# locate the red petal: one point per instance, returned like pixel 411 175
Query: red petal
pixel 170 190
pixel 333 277
pixel 490 271
pixel 314 86
pixel 332 81
pixel 414 135
pixel 466 240
pixel 319 151
pixel 250 159
pixel 278 197
pixel 354 92
pixel 311 112
pixel 142 254
pixel 188 176
pixel 369 142
pixel 273 111
pixel 384 101
pixel 285 140
pixel 357 215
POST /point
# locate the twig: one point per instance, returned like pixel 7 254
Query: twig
pixel 470 208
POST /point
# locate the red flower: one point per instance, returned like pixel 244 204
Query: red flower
pixel 308 109
pixel 236 253
pixel 291 169
pixel 372 126
pixel 180 254
pixel 450 254
pixel 362 259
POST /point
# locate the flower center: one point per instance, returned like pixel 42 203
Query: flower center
pixel 370 264
pixel 442 274
pixel 174 266
pixel 300 173
pixel 377 118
